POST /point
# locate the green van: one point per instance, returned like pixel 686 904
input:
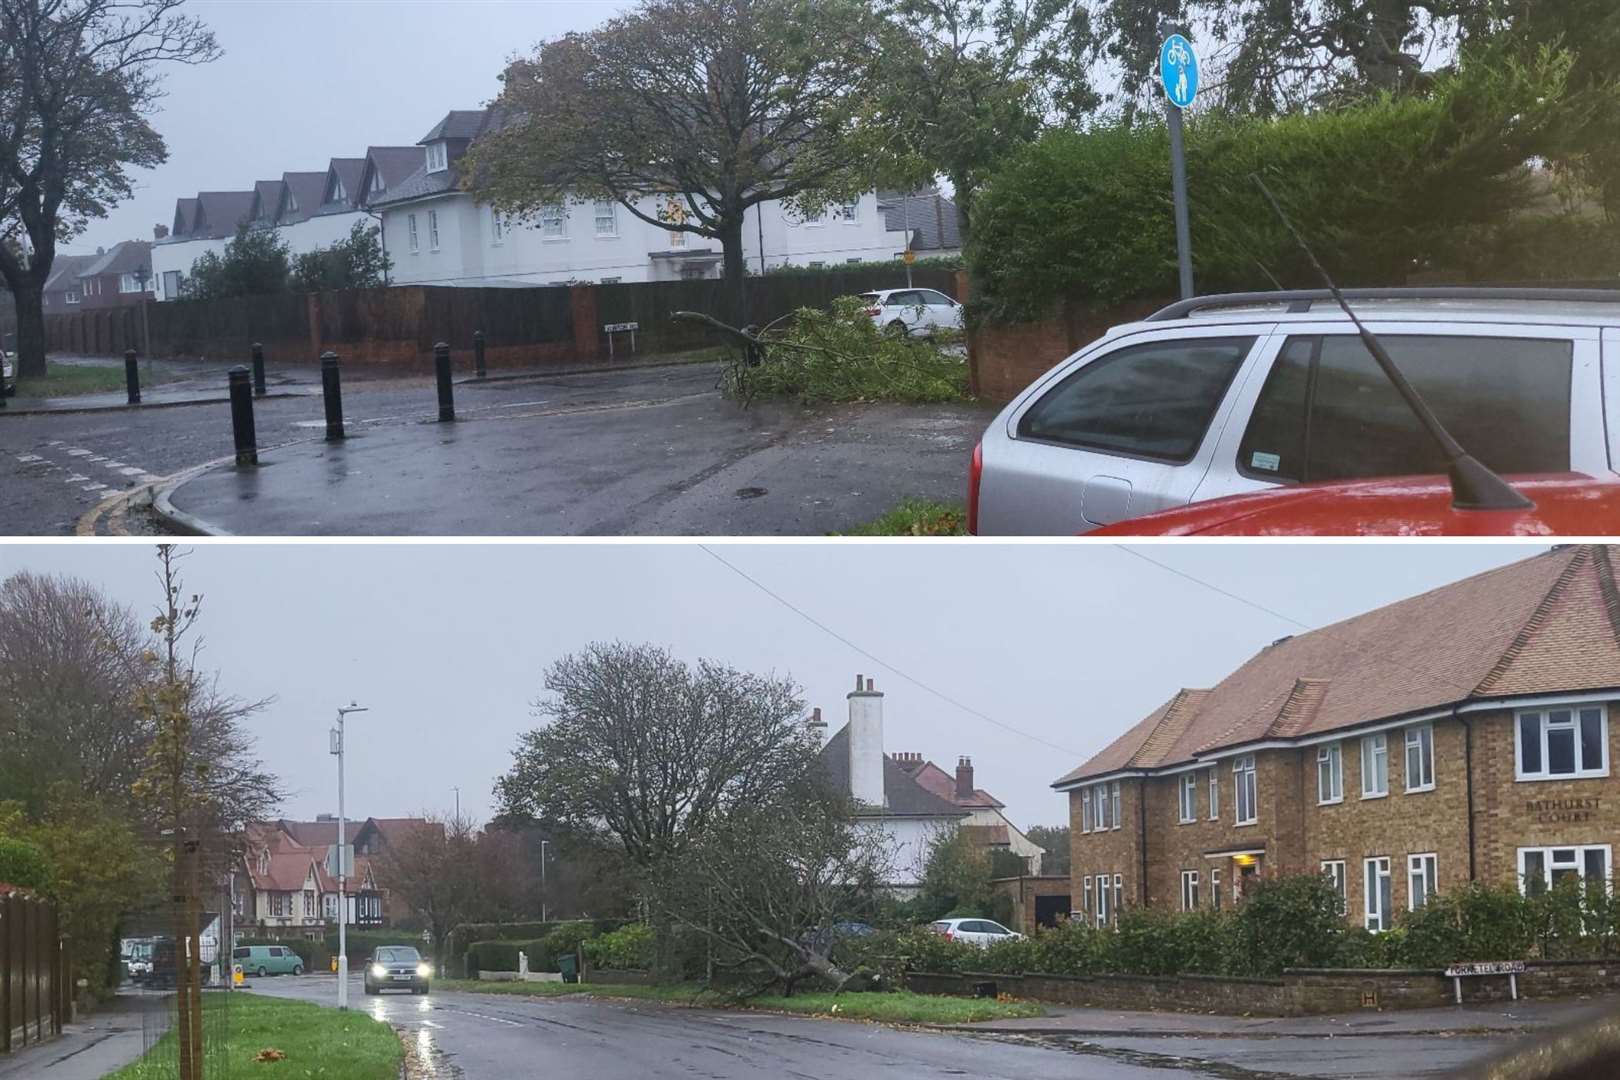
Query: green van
pixel 267 960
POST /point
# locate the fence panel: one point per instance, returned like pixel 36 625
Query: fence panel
pixel 33 995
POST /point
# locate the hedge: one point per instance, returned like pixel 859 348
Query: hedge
pixel 23 864
pixel 629 948
pixel 362 942
pixel 462 937
pixel 1388 188
pixel 502 955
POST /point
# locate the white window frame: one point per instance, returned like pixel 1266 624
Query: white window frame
pixel 1419 737
pixel 1189 890
pixel 410 230
pixel 497 228
pixel 438 157
pixel 1374 748
pixel 1187 801
pixel 1247 786
pixel 612 218
pixel 1543 724
pixel 71 297
pixel 848 213
pixel 1085 895
pixel 433 230
pixel 553 222
pixel 1215 889
pixel 1579 866
pixel 1335 869
pixel 1214 794
pixel 1119 894
pixel 1332 756
pixel 1423 871
pixel 1374 872
pixel 128 284
pixel 1085 810
pixel 1101 912
pixel 1114 798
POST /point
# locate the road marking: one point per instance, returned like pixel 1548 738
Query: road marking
pixel 130 470
pixel 75 478
pixel 95 487
pixel 76 452
pixel 114 464
pixel 27 458
pixel 495 1019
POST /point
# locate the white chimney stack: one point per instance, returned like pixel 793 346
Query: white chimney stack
pixel 866 743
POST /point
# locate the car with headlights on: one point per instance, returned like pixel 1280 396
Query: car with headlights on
pixel 397 967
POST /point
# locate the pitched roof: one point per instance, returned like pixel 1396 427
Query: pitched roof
pixel 266 199
pixel 462 124
pixel 902 796
pixel 943 784
pixel 185 216
pixel 220 212
pixel 458 124
pixel 1547 624
pixel 931 217
pixel 348 172
pixel 65 271
pixel 394 164
pixel 304 191
pixel 125 257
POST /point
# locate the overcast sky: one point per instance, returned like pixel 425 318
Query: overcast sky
pixel 304 81
pixel 448 644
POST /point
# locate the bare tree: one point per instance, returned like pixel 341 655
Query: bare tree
pixel 650 751
pixel 433 867
pixel 772 885
pixel 78 81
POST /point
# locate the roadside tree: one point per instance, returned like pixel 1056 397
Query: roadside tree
pixel 255 263
pixel 355 262
pixel 78 81
pixel 434 867
pixel 1054 840
pixel 711 107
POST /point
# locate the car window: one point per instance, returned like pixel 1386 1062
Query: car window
pixel 904 298
pixel 930 296
pixel 941 927
pixel 996 928
pixel 1153 400
pixel 1328 413
pixel 396 955
pixel 278 951
pixel 241 954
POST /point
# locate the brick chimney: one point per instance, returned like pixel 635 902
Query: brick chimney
pixel 866 743
pixel 817 726
pixel 964 778
pixel 160 232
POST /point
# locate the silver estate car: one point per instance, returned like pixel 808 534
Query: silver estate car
pixel 1227 394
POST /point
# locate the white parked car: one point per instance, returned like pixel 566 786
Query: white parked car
pixel 916 311
pixel 8 372
pixel 981 932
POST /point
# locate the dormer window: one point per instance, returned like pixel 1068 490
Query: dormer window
pixel 264 861
pixel 438 159
pixel 376 182
pixel 292 202
pixel 338 193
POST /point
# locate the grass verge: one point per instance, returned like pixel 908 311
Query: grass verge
pixel 316 1040
pixel 917 517
pixel 70 380
pixel 900 1007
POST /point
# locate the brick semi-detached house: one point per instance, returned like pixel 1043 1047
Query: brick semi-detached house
pixel 1460 735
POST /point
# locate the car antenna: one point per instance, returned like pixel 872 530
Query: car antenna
pixel 1473 485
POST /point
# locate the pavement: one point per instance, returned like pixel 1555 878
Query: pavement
pixel 643 451
pixel 469 1036
pixel 100 1043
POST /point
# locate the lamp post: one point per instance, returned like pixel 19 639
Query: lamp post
pixel 543 845
pixel 142 274
pixel 342 863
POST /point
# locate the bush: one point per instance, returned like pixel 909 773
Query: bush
pixel 24 865
pixel 1294 921
pixel 825 357
pixel 629 948
pixel 1470 922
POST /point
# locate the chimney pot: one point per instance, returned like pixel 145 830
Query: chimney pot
pixel 964 778
pixel 859 679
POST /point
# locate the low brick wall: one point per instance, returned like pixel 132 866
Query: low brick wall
pixel 1300 992
pixel 1003 359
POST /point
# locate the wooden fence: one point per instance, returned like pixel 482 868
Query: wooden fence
pixel 35 991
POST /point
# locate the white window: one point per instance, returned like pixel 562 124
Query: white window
pixel 1085 811
pixel 129 283
pixel 1215 889
pixel 497 228
pixel 1085 894
pixel 1542 868
pixel 1119 894
pixel 292 202
pixel 1420 758
pixel 1422 880
pixel 309 905
pixel 1243 780
pixel 1333 869
pixel 554 221
pixel 1103 905
pixel 1329 774
pixel 1571 742
pixel 847 212
pixel 1189 890
pixel 1374 766
pixel 72 297
pixel 338 193
pixel 1099 817
pixel 1189 797
pixel 607 221
pixel 817 264
pixel 410 228
pixel 376 181
pixel 677 239
pixel 1114 795
pixel 1214 795
pixel 1378 894
pixel 433 230
pixel 438 159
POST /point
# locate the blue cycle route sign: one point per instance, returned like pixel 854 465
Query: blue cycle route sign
pixel 1178 70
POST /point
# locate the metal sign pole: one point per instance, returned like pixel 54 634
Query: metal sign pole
pixel 1178 184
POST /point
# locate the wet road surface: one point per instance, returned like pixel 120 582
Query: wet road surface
pixel 466 1036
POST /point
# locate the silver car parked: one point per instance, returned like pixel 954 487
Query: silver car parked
pixel 1221 395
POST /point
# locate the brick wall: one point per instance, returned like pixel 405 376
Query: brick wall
pixel 1003 359
pixel 1023 891
pixel 1112 851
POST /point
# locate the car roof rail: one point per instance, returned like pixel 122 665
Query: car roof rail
pixel 1300 300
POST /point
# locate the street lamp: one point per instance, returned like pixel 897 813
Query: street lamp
pixel 543 845
pixel 342 862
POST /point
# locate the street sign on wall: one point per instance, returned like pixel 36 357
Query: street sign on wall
pixel 1178 70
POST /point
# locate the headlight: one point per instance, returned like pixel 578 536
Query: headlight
pixel 378 970
pixel 424 970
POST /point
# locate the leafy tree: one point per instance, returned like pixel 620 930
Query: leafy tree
pixel 255 263
pixel 648 751
pixel 1054 840
pixel 956 876
pixel 357 262
pixel 711 107
pixel 23 864
pixel 964 82
pixel 78 80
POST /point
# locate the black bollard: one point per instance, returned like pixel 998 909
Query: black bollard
pixel 478 354
pixel 258 371
pixel 332 391
pixel 247 446
pixel 132 377
pixel 447 395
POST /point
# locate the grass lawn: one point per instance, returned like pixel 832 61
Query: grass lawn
pixel 917 517
pixel 316 1040
pixel 902 1007
pixel 66 380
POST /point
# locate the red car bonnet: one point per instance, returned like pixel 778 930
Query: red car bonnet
pixel 1566 504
